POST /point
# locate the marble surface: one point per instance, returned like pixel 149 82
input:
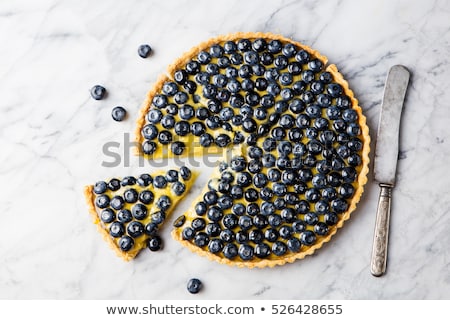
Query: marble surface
pixel 52 135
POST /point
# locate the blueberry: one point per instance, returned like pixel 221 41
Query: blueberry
pixel 245 222
pixel 289 177
pixel 294 245
pixel 100 187
pixel 251 57
pixel 253 209
pixel 324 100
pixel 178 188
pixel 124 216
pixel 135 229
pixel 238 137
pixel 279 203
pixel 146 196
pixel 249 125
pixel 353 129
pixel 126 243
pixel 286 232
pixel 278 133
pixel 198 224
pixel 308 76
pixel 98 92
pixel 315 65
pixel 312 195
pixel 226 235
pixel 329 193
pixel 267 101
pixel 213 229
pixel 244 45
pixel 230 221
pixel 230 47
pixel 285 79
pixel 308 238
pixel 139 211
pixel 164 203
pixel 334 89
pixel 255 166
pixel 188 233
pixel 215 246
pixel 238 209
pixel 154 243
pixel 246 252
pixel 230 251
pixel 302 56
pixel 222 140
pixel 201 239
pixel 267 208
pixel 165 137
pixel 346 190
pixel 116 229
pixel 302 207
pixel 251 195
pixel 280 62
pixel 343 102
pixel 279 248
pixel 159 101
pixel 317 88
pixel 210 197
pixel 179 221
pixel 144 50
pixel 238 163
pixel 241 237
pixel 262 250
pixel 260 180
pixel 214 213
pixel 274 46
pixel 311 218
pixel 275 220
pixel 266 58
pixel 271 234
pixel 319 181
pixel 298 226
pixel 118 113
pixel 107 215
pixel 245 71
pixel 321 207
pixel 128 181
pixel 331 218
pixel 268 160
pixel 144 180
pixel 203 57
pixel 102 201
pixel 321 229
pixel 349 174
pixel 117 202
pixel 206 140
pixel 185 173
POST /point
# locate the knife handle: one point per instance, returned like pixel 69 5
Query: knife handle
pixel 380 239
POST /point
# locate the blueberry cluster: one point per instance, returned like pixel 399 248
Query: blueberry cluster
pixel 299 170
pixel 235 92
pixel 132 209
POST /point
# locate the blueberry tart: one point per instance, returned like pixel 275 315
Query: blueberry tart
pixel 298 139
pixel 130 211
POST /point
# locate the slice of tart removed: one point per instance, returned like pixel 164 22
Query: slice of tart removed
pixel 129 211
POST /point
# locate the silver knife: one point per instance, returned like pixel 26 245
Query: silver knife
pixel 385 162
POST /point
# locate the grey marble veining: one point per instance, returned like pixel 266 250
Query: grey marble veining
pixel 52 134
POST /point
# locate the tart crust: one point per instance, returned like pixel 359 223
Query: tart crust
pixel 338 78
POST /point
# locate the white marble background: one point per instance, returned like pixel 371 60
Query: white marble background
pixel 52 133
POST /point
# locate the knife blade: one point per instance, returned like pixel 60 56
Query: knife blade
pixel 385 161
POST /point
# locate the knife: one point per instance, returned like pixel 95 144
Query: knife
pixel 385 162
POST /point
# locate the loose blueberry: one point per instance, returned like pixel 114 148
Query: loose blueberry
pixel 98 92
pixel 144 51
pixel 118 113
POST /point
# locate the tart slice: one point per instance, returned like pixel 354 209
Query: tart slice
pixel 129 211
